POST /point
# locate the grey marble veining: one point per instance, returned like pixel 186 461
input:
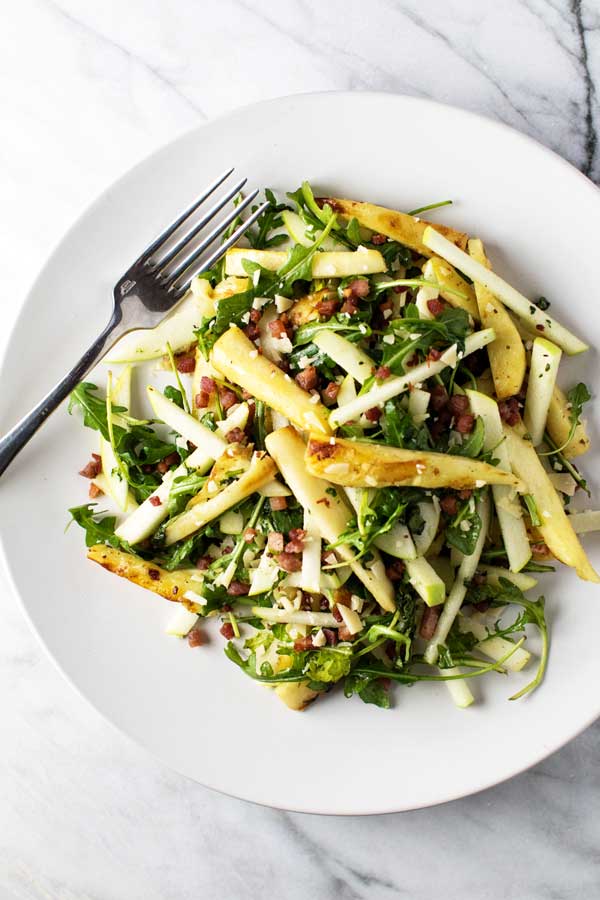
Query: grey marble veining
pixel 87 89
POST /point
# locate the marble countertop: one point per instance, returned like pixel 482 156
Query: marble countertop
pixel 87 90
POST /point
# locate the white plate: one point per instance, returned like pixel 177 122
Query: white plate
pixel 195 710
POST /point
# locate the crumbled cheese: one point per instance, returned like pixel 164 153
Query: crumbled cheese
pixel 246 317
pixel 331 559
pixel 420 467
pixel 356 603
pixel 314 397
pixel 259 302
pixel 387 313
pixel 282 304
pixel 528 345
pixel 195 598
pixel 479 483
pixel 450 357
pixel 332 441
pixel 489 308
pixel 337 468
pixel 465 526
pixel 212 487
pixel 546 514
pixel 256 277
pixel 319 639
pixel 444 270
pixel 389 339
pixel 253 354
pixel 287 377
pixel 557 467
pixel 283 344
pixel 303 362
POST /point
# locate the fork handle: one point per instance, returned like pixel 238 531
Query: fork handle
pixel 13 442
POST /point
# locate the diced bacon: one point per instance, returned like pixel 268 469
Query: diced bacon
pixel 395 570
pixel 186 363
pixel 195 638
pixel 155 501
pixel 289 562
pixel 227 631
pixel 465 423
pixel 236 436
pixel 373 414
pixel 436 306
pixel 449 504
pixel 378 239
pixel 238 589
pixel 227 397
pixel 458 404
pixel 94 491
pixel 93 468
pixel 307 379
pixel 429 621
pixel 330 393
pixel 439 398
pixel 275 542
pixel 305 643
pixel 278 503
pixel 327 307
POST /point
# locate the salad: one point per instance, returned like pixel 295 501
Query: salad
pixel 360 463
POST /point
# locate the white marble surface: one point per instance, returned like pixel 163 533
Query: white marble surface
pixel 88 89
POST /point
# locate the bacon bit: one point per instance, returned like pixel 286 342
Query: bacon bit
pixel 342 596
pixel 308 378
pixel 429 621
pixel 435 307
pixel 373 414
pixel 305 643
pixel 331 636
pixel 327 307
pixel 439 398
pixel 238 589
pixel 441 424
pixel 201 400
pixel 458 404
pixel 297 534
pixel 94 491
pixel 464 424
pixel 252 332
pixel 509 410
pixel 246 395
pixel 387 304
pixel 378 239
pixel 382 373
pixel 540 550
pixel 307 602
pixel 482 606
pixel 236 436
pixel 323 603
pixel 185 363
pixel 250 534
pixel 395 570
pixel 155 501
pixel 399 288
pixel 349 306
pixel 227 397
pixel 412 361
pixel 191 447
pixel 275 542
pixel 360 288
pixel 294 546
pixel 207 384
pixel 329 394
pixel 277 503
pixel 227 631
pixel 289 562
pixel 277 328
pixel 203 562
pixel 154 574
pixel 465 494
pixel 147 470
pixel 195 638
pixel 165 464
pixel 449 505
pixel 434 355
pixel 345 635
pixel 93 468
pixel 321 450
pixel 337 614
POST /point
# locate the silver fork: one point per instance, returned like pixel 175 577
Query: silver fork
pixel 148 290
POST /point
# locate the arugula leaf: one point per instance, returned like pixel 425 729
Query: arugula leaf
pixel 400 430
pixel 464 540
pixel 230 311
pixel 94 409
pixel 328 665
pixel 532 509
pixel 173 394
pixel 259 236
pixel 370 689
pixel 97 530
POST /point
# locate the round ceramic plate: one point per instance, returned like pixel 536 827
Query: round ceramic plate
pixel 540 221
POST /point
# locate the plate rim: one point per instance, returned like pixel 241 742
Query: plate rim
pixel 484 783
